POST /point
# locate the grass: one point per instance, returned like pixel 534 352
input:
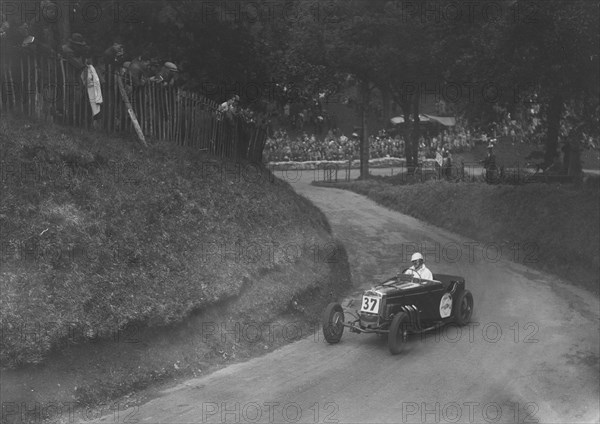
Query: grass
pixel 101 236
pixel 555 227
pixel 510 155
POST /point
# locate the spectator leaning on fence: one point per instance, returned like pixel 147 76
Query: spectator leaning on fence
pixel 39 34
pixel 137 70
pixel 89 76
pixel 166 74
pixel 115 54
pixel 75 50
pixel 229 108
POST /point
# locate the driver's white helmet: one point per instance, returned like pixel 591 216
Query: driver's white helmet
pixel 416 256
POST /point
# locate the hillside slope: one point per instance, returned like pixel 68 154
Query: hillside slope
pixel 98 233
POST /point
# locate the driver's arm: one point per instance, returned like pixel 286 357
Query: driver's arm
pixel 426 274
pixel 414 273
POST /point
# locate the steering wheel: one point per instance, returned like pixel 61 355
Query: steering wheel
pixel 413 271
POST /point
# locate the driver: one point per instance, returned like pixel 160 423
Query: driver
pixel 418 268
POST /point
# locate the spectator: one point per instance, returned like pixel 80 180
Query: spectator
pixel 115 54
pixel 34 43
pixel 137 70
pixel 40 33
pixel 446 163
pixel 75 50
pixel 166 75
pixel 92 83
pixel 286 112
pixel 300 120
pixel 489 164
pixel 23 30
pixel 229 108
pixel 340 147
pixel 439 158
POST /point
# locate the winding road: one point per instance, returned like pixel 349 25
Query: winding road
pixel 530 354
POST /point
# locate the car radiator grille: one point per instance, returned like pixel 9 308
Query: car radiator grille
pixel 369 320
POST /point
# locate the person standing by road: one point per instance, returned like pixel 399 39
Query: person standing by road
pixel 489 164
pixel 446 163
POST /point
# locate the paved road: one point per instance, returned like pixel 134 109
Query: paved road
pixel 530 355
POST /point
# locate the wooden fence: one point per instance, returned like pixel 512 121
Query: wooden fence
pixel 51 89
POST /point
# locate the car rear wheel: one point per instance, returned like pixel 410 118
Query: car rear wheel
pixel 464 308
pixel 333 319
pixel 398 332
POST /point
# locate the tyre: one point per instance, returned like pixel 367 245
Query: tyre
pixel 333 319
pixel 464 308
pixel 398 330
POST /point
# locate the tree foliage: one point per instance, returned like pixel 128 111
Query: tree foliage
pixel 535 61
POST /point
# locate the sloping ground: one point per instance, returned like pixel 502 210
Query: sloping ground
pixel 551 227
pixel 99 234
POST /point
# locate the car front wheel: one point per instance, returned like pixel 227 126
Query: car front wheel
pixel 398 331
pixel 333 323
pixel 464 308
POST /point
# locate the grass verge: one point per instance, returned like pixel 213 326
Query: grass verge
pixel 555 227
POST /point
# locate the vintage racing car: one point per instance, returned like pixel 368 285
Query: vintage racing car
pixel 403 304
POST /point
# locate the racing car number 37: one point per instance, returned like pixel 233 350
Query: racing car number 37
pixel 370 304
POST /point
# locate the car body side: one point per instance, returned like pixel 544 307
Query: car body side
pixel 421 299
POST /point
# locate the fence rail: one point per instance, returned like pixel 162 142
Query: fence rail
pixel 51 89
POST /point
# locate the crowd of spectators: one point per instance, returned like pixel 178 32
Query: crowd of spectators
pixel 39 36
pixel 281 147
pixel 335 146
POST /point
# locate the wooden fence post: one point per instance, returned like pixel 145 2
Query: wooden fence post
pixel 52 89
pixel 136 125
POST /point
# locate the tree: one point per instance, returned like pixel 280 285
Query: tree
pixel 359 45
pixel 542 53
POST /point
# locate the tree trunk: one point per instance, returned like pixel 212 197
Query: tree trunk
pixel 406 129
pixel 63 24
pixel 413 162
pixel 555 109
pixel 385 99
pixel 364 138
pixel 574 165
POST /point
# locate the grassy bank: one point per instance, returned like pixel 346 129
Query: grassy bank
pixel 511 155
pixel 555 227
pixel 101 236
pixel 137 363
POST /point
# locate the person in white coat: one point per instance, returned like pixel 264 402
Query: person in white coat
pixel 89 76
